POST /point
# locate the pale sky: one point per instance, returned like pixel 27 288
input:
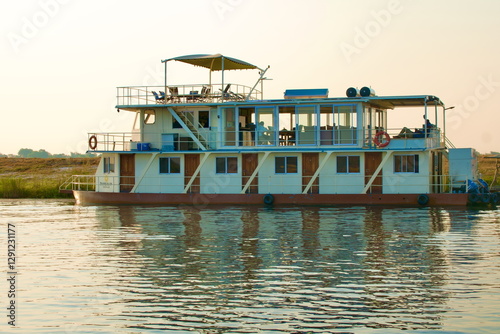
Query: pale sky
pixel 62 60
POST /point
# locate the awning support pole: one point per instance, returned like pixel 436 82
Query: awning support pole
pixel 222 59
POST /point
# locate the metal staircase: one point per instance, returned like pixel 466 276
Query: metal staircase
pixel 190 128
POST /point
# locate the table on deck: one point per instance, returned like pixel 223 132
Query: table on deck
pixel 286 137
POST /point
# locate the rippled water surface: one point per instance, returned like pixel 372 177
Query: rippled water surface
pixel 133 269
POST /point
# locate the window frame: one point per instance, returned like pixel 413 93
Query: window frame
pixel 149 117
pixel 169 165
pixel 108 165
pixel 286 164
pixel 402 164
pixel 227 166
pixel 201 117
pixel 348 164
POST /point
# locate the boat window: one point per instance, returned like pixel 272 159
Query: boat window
pixel 246 124
pixel 109 165
pixel 347 164
pixel 265 127
pixel 374 120
pixel 149 116
pixel 346 122
pixel 246 115
pixel 406 163
pixel 286 118
pixel 203 119
pixel 285 165
pixel 306 125
pixel 226 165
pixel 170 165
pixel 326 116
pixel 176 124
pixel 228 127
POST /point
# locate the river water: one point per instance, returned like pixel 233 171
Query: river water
pixel 140 269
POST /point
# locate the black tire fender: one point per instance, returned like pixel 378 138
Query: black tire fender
pixel 423 199
pixel 268 199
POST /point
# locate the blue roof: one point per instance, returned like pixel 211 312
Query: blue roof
pixel 306 93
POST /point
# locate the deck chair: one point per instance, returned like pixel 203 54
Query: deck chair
pixel 205 93
pixel 159 98
pixel 226 93
pixel 174 94
pixel 230 95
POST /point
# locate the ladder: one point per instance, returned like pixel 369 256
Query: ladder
pixel 190 128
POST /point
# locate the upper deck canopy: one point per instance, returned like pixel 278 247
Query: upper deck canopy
pixel 215 62
pixel 391 102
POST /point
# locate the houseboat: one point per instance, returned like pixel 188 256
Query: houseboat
pixel 223 143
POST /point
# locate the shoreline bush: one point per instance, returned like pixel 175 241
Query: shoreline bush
pixel 16 187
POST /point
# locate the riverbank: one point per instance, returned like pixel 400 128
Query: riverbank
pixel 40 178
pixel 487 168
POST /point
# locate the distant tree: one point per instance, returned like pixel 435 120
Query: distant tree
pixel 24 152
pixel 82 155
pixel 29 153
pixel 39 154
pixel 60 155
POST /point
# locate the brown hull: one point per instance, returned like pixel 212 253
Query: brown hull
pixel 89 197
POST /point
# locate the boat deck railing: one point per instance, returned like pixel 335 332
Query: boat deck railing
pixel 181 94
pixel 180 140
pixel 79 182
pixel 288 184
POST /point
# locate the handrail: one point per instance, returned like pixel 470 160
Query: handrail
pixel 111 141
pixel 191 93
pixel 448 142
pixel 244 138
pixel 79 182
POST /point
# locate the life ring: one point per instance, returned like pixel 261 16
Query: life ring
pixel 423 199
pixel 376 139
pixel 268 199
pixel 93 142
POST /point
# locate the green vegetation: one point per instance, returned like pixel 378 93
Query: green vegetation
pixel 33 188
pixel 40 178
pixel 29 153
pixel 488 170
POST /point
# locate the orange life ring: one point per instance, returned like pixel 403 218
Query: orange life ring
pixel 376 139
pixel 93 142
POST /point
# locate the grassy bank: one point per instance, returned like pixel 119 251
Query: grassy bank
pixel 487 168
pixel 40 178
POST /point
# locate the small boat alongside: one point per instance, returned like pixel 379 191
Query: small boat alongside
pixel 223 143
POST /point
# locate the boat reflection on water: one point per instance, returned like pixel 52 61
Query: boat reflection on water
pixel 251 268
